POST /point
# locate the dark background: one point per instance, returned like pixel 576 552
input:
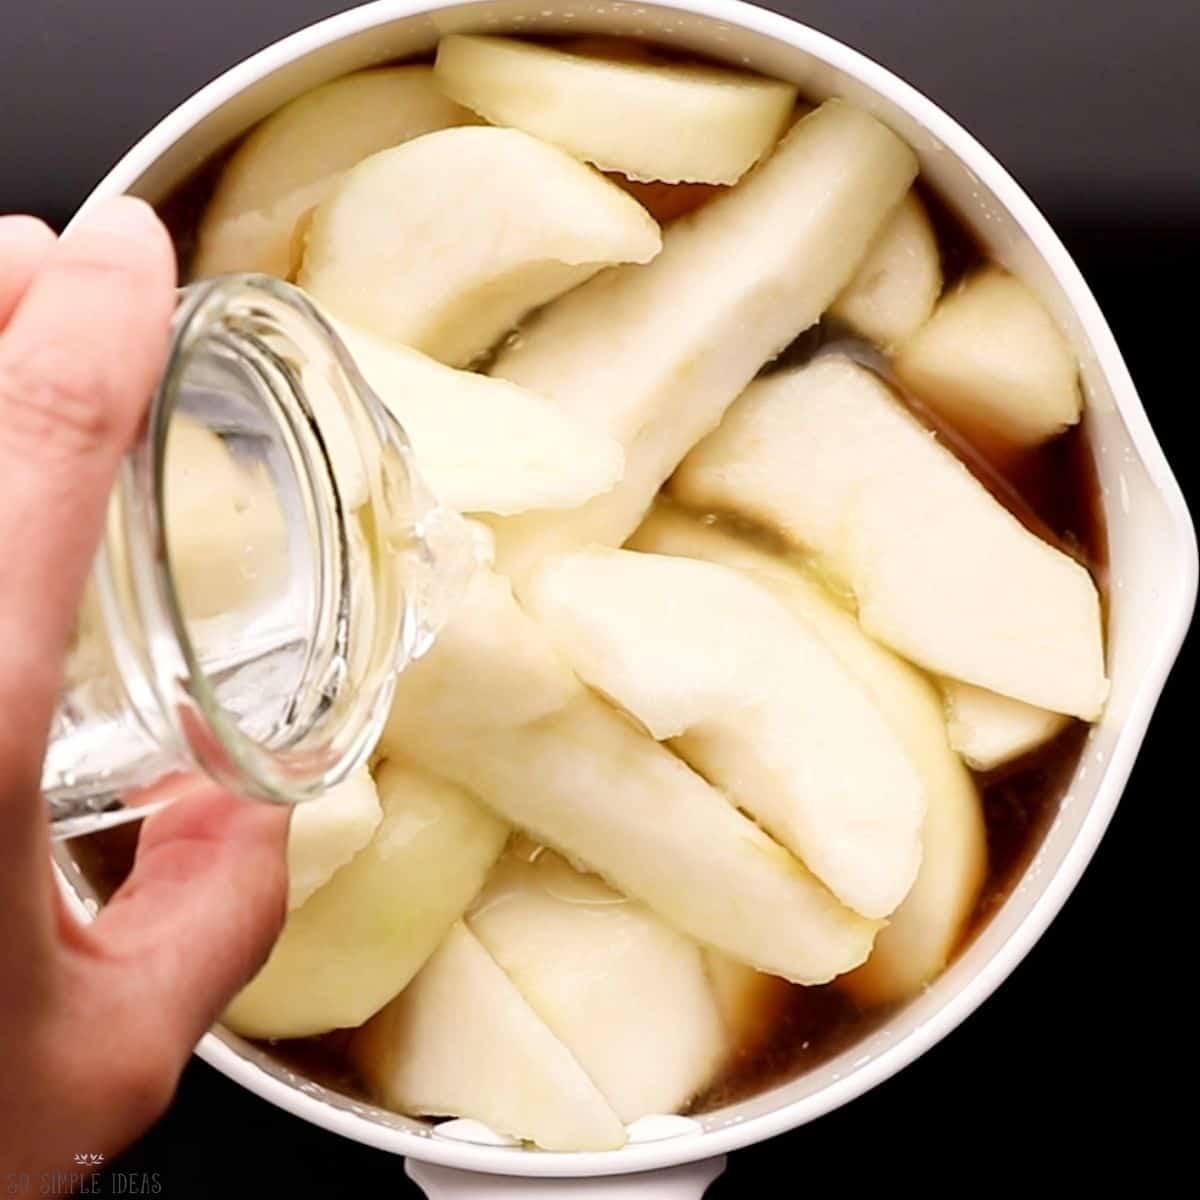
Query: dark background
pixel 1095 107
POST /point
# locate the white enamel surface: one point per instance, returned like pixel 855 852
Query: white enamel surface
pixel 688 1182
pixel 1153 551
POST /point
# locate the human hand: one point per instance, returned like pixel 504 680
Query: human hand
pixel 97 1021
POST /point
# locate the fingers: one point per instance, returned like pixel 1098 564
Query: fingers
pixel 25 243
pixel 140 985
pixel 78 362
pixel 200 911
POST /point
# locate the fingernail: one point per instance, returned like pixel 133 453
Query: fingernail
pixel 118 216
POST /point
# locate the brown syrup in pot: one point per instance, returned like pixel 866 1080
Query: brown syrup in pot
pixel 1053 489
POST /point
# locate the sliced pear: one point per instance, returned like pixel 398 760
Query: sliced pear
pixel 326 833
pixel 359 939
pixel 485 445
pixel 445 242
pixel 225 530
pixel 492 667
pixel 990 730
pixel 899 282
pixel 494 707
pixel 587 782
pixel 992 361
pixel 754 700
pixel 942 572
pixel 924 931
pixel 672 121
pixel 626 994
pixel 652 356
pixel 461 1041
pixel 291 162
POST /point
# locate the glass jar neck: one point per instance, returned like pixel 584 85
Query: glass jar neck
pixel 271 561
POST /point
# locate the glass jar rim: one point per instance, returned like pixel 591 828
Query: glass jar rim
pixel 163 646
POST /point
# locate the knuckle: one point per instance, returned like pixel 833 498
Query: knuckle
pixel 54 403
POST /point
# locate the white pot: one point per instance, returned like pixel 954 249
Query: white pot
pixel 1152 544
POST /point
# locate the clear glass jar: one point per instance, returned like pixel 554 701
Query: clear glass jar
pixel 270 562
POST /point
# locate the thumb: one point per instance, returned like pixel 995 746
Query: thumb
pixel 201 909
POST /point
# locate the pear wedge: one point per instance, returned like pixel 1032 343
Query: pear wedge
pixel 445 242
pixel 587 782
pixel 359 939
pixel 492 667
pixel 754 700
pixel 292 161
pixel 899 282
pixel 648 120
pixel 461 1041
pixel 653 356
pixel 494 707
pixel 942 572
pixel 625 993
pixel 990 730
pixel 485 445
pixel 924 931
pixel 994 364
pixel 326 833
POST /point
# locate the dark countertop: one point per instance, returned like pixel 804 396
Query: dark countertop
pixel 1093 107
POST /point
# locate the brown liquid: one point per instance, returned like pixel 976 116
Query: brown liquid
pixel 1053 489
pixel 183 207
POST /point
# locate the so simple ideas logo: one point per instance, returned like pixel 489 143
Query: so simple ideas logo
pixel 84 1182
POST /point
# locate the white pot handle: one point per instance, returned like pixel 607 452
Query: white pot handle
pixel 688 1182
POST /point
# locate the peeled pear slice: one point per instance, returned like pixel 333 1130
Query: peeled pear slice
pixel 990 730
pixel 587 782
pixel 359 939
pixel 326 833
pixel 899 282
pixel 992 362
pixel 626 994
pixel 753 700
pixel 672 121
pixel 924 931
pixel 492 667
pixel 652 356
pixel 494 707
pixel 461 1041
pixel 941 571
pixel 485 445
pixel 226 534
pixel 445 242
pixel 291 162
